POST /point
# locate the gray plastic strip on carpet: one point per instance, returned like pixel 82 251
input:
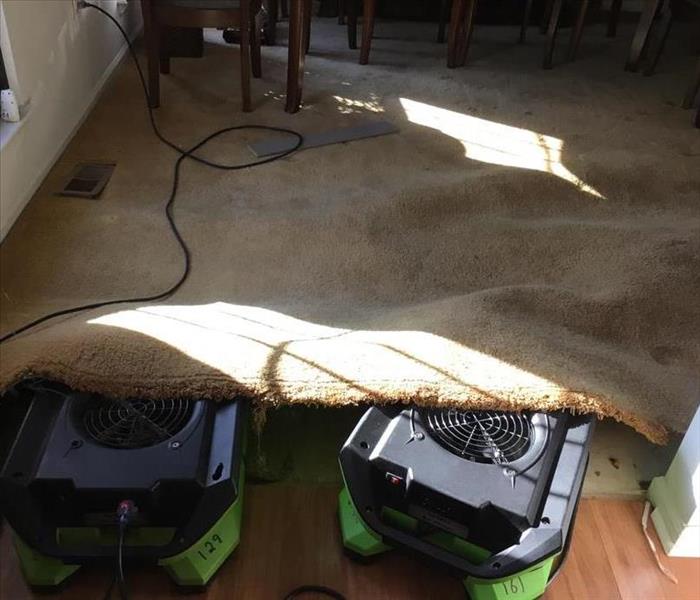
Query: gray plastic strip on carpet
pixel 278 145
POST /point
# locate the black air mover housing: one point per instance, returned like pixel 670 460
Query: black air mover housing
pixel 76 456
pixel 505 483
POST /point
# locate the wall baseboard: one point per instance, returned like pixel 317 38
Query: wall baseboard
pixel 677 536
pixel 676 497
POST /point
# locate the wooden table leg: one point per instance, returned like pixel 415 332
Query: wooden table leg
pixel 641 35
pixel 296 55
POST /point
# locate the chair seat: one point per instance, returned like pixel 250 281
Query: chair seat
pixel 161 16
pixel 203 4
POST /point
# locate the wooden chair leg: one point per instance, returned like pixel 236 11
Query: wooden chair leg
pixel 444 16
pixel 342 11
pixel 463 48
pixel 351 13
pixel 641 35
pixel 575 41
pixel 272 7
pixel 526 21
pixel 164 42
pixel 245 64
pixel 656 49
pixel 295 66
pixel 255 43
pixel 370 9
pixel 456 32
pixel 552 34
pixel 546 16
pixel 153 52
pixel 693 88
pixel 308 9
pixel 614 17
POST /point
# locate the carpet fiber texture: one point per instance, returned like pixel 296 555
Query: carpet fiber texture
pixel 528 240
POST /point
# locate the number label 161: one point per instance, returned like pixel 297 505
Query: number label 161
pixel 513 586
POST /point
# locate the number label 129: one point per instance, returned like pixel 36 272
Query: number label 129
pixel 210 546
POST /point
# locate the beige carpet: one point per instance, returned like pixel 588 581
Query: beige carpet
pixel 529 239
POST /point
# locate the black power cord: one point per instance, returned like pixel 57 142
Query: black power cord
pixel 314 589
pixel 125 511
pixel 119 571
pixel 173 193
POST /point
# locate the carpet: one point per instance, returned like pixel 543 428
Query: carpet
pixel 528 240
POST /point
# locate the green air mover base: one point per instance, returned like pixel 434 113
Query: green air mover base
pixel 42 572
pixel 192 568
pixel 526 585
pixel 357 537
pixel 198 564
pixel 361 541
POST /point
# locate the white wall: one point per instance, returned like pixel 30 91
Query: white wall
pixel 676 497
pixel 61 59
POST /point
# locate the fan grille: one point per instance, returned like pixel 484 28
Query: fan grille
pixel 483 437
pixel 135 423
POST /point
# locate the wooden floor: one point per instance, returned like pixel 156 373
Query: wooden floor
pixel 290 537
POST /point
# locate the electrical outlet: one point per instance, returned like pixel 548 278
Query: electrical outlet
pixel 9 110
pixel 79 5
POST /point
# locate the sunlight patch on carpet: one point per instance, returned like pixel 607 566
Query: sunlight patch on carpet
pixel 348 106
pixel 496 143
pixel 297 359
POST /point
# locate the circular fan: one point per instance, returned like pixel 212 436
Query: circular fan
pixel 135 423
pixel 493 437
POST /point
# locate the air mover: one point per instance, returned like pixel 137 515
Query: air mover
pixel 175 464
pixel 490 495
